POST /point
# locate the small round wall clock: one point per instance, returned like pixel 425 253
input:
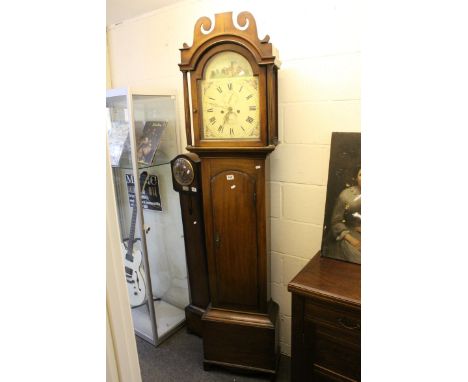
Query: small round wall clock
pixel 183 171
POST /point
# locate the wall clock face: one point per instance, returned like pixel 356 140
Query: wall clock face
pixel 183 171
pixel 230 98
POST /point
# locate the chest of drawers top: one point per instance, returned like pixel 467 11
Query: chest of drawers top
pixel 329 280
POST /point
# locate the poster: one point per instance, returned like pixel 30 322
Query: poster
pixel 149 140
pixel 150 197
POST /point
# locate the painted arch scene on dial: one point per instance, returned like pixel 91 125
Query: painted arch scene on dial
pixel 230 98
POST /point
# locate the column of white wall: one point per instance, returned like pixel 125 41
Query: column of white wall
pixel 317 96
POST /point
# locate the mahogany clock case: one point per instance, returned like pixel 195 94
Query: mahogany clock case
pixel 240 325
pixel 194 239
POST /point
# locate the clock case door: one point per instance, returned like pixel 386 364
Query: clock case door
pixel 197 77
pixel 235 215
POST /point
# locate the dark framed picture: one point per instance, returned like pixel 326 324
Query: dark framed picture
pixel 150 196
pixel 342 224
pixel 148 141
pixel 148 137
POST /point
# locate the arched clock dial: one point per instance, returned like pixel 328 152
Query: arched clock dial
pixel 230 98
pixel 183 171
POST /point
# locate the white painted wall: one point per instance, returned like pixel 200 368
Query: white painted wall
pixel 319 92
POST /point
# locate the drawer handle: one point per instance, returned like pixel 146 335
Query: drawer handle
pixel 345 323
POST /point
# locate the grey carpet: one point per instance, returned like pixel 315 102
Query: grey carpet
pixel 180 359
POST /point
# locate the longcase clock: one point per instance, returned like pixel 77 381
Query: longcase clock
pixel 186 180
pixel 232 107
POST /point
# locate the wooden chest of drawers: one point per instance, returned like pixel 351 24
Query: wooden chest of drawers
pixel 326 321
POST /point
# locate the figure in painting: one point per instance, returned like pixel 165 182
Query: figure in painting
pixel 144 150
pixel 346 224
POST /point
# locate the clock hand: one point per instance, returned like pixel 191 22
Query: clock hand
pixel 226 117
pixel 216 105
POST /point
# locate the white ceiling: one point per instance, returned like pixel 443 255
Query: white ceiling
pixel 119 10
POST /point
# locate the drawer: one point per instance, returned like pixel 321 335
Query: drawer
pixel 328 351
pixel 347 320
pixel 324 375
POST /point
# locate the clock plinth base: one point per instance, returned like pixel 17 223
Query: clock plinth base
pixel 193 318
pixel 244 342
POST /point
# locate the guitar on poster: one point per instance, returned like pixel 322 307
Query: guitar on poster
pixel 136 284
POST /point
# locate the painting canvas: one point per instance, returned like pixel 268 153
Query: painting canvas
pixel 342 224
pixel 148 137
pixel 149 140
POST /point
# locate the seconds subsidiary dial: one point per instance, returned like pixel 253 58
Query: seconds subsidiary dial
pixel 183 171
pixel 230 98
